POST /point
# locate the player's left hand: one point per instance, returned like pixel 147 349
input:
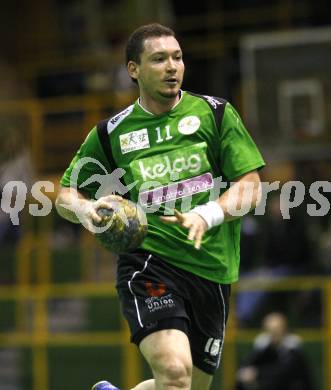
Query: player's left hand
pixel 196 225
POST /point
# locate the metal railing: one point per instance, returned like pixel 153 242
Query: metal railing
pixel 50 134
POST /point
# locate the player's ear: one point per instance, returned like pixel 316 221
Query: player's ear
pixel 133 69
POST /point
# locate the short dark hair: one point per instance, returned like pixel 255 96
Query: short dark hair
pixel 134 46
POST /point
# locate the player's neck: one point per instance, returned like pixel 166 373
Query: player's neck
pixel 158 107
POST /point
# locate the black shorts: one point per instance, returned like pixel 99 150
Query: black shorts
pixel 156 295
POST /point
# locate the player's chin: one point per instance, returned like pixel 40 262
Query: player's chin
pixel 170 92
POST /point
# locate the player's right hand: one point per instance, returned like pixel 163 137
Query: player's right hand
pixel 87 214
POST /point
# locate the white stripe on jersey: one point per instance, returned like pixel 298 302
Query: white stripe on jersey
pixel 117 119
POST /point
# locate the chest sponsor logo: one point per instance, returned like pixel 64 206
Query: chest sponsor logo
pixel 172 168
pixel 177 190
pixel 189 125
pixel 135 140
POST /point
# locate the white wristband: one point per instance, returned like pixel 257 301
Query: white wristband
pixel 211 212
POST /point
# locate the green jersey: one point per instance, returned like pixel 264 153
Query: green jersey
pixel 176 159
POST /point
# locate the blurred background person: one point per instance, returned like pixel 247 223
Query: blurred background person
pixel 276 360
pixel 15 164
pixel 271 246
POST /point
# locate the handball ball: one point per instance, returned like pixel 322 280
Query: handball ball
pixel 127 226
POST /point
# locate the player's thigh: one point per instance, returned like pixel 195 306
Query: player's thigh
pixel 200 379
pixel 165 347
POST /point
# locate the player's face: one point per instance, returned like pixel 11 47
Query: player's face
pixel 161 69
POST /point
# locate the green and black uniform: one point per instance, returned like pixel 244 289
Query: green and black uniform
pixel 173 158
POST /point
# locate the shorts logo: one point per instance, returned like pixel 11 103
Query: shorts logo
pixel 135 140
pixel 160 303
pixel 189 125
pixel 155 292
pixel 213 347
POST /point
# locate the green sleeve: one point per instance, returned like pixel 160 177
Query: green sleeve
pixel 89 160
pixel 238 152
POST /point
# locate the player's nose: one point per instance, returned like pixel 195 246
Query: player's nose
pixel 171 65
